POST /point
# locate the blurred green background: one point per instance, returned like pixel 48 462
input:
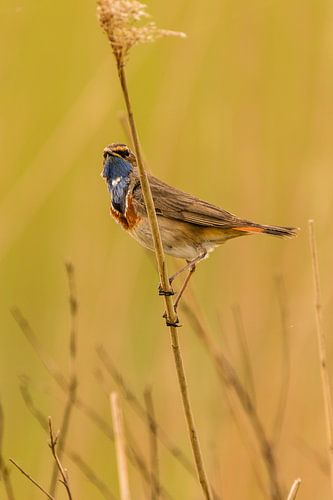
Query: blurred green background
pixel 239 113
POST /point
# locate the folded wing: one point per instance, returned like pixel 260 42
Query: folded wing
pixel 175 204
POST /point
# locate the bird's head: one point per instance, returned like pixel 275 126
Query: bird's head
pixel 118 163
pixel 115 156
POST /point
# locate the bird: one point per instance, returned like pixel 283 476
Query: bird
pixel 190 227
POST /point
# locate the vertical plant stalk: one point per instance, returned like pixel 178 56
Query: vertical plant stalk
pixel 73 381
pixel 163 274
pixel 120 443
pixel 63 472
pixel 294 489
pixel 321 338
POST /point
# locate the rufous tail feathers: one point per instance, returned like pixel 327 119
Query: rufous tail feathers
pixel 282 232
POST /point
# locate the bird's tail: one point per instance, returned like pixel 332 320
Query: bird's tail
pixel 282 232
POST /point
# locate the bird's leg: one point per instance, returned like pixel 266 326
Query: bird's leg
pixel 180 271
pixel 168 293
pixel 184 285
pixel 191 265
pixel 171 292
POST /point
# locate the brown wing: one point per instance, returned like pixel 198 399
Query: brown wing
pixel 175 204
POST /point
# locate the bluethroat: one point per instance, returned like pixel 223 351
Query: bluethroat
pixel 190 228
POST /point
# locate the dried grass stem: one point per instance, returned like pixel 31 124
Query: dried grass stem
pixel 294 489
pixel 120 443
pixel 322 351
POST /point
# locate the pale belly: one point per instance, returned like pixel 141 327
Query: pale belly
pixel 179 239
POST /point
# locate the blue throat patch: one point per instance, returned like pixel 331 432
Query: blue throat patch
pixel 116 171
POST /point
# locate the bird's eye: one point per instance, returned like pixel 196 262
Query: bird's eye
pixel 124 152
pixel 106 154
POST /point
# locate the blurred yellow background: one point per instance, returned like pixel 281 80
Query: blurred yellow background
pixel 240 114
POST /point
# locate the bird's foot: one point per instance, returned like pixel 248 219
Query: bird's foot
pixel 165 293
pixel 168 321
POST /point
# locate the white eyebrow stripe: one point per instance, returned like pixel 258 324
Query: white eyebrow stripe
pixel 116 181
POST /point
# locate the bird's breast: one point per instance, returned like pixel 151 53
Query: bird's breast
pixel 129 218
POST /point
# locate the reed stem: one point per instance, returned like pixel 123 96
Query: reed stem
pixel 322 351
pixel 120 443
pixel 164 279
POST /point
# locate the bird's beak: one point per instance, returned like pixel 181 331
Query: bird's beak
pixel 107 155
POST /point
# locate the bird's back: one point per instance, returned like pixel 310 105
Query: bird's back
pixel 174 204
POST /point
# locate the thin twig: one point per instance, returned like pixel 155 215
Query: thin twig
pixel 31 479
pixel 73 382
pixel 79 462
pixel 294 489
pixel 153 444
pixel 4 472
pixel 63 472
pixel 65 427
pixel 120 443
pixel 321 338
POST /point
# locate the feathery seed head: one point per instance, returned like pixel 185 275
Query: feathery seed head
pixel 119 19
